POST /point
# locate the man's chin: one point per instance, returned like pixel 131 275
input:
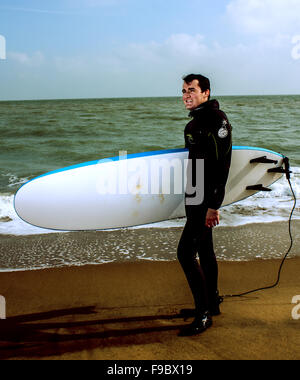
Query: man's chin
pixel 189 107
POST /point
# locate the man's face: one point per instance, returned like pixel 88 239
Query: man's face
pixel 193 95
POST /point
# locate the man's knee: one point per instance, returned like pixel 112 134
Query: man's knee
pixel 187 251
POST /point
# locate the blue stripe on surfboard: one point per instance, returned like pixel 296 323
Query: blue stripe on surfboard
pixel 139 155
pixel 256 148
pixel 117 158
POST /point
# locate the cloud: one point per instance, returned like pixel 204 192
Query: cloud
pixel 155 68
pixel 265 17
pixel 175 50
pixel 243 68
pixel 34 60
pixel 185 45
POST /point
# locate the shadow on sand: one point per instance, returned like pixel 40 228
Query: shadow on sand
pixel 34 336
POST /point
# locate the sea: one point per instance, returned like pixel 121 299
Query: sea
pixel 44 135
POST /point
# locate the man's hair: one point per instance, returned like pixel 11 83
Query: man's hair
pixel 204 82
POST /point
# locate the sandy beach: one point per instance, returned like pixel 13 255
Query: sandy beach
pixel 129 311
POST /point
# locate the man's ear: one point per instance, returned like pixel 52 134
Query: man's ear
pixel 207 93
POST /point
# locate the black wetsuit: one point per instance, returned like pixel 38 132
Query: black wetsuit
pixel 208 137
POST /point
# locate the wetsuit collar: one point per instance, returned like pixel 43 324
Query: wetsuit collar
pixel 210 104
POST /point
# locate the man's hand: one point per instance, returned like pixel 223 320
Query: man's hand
pixel 212 218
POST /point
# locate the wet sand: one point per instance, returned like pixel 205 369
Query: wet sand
pixel 130 311
pixel 246 242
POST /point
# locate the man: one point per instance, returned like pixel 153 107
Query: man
pixel 208 137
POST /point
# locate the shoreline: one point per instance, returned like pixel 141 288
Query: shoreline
pixel 56 250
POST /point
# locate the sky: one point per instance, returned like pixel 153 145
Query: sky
pixel 139 48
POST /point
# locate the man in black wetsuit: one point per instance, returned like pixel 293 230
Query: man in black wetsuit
pixel 208 137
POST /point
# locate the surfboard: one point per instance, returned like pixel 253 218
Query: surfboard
pixel 131 190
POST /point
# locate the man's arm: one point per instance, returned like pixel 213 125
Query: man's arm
pixel 222 142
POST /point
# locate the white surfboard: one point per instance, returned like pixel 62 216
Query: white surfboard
pixel 131 190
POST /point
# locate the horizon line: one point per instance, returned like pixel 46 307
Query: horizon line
pixel 138 97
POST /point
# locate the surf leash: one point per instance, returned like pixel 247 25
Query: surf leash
pixel 287 172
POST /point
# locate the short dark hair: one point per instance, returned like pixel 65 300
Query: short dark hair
pixel 204 82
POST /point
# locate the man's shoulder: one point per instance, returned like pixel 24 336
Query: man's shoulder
pixel 220 125
pixel 218 118
pixel 216 111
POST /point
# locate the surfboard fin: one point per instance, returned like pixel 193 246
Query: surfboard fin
pixel 278 170
pixel 263 160
pixel 284 170
pixel 259 187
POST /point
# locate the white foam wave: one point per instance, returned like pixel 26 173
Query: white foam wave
pixel 266 207
pixel 14 180
pixel 10 223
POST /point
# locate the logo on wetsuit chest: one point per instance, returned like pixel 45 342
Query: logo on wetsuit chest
pixel 223 131
pixel 190 139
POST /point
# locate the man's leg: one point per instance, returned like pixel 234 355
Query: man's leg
pixel 210 269
pixel 187 256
